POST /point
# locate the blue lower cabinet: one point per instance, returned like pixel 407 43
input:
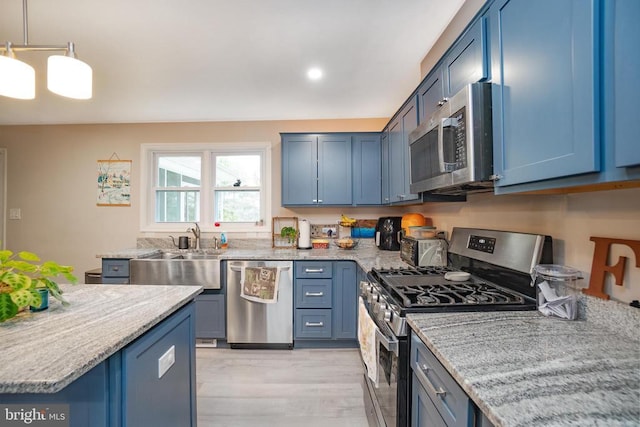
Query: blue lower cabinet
pixel 150 382
pixel 326 302
pixel 423 411
pixel 210 316
pixel 313 323
pixel 159 375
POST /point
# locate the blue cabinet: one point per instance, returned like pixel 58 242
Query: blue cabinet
pixel 325 303
pixel 210 316
pixel 367 169
pixel 153 395
pixel 465 62
pixel 115 271
pixel 431 94
pixel 126 390
pixel 385 159
pixel 399 172
pixel 545 99
pixel 622 90
pixel 345 300
pixel 331 169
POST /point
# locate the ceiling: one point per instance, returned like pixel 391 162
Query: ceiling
pixel 219 60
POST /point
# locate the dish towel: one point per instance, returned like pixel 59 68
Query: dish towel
pixel 367 331
pixel 260 284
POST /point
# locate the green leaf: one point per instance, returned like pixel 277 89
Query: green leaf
pixel 22 298
pixel 5 255
pixel 21 266
pixel 36 298
pixel 8 308
pixel 16 281
pixel 28 256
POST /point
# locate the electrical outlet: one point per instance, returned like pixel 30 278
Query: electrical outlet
pixel 166 361
pixel 15 213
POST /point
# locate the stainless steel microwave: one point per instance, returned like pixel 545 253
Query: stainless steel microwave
pixel 451 152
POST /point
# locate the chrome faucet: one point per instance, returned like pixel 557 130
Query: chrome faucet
pixel 196 233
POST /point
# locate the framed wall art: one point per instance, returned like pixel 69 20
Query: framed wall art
pixel 114 182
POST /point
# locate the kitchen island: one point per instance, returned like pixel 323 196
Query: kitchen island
pixel 525 369
pixel 101 355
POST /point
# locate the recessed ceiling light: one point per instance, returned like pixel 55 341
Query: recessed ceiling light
pixel 314 74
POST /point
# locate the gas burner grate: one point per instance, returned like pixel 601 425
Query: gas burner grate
pixel 468 293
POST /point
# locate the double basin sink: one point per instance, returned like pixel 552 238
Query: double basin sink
pixel 178 267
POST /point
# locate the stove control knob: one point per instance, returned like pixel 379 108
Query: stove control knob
pixel 388 314
pixel 383 306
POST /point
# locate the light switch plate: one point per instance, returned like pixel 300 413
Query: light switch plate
pixel 166 361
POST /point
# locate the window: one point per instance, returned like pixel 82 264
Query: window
pixel 205 183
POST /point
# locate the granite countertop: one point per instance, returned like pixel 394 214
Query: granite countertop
pixel 366 254
pixel 44 352
pixel 525 369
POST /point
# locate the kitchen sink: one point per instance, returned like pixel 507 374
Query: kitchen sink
pixel 178 267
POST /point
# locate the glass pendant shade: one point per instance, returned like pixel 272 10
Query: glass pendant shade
pixel 69 77
pixel 17 79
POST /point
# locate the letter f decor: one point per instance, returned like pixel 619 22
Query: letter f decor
pixel 600 266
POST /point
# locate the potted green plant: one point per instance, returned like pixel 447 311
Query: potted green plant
pixel 25 282
pixel 289 233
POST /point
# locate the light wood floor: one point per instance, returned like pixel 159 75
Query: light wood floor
pixel 285 388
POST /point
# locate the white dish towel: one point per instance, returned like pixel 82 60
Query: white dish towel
pixel 367 331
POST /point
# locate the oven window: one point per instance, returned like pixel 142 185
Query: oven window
pixel 424 157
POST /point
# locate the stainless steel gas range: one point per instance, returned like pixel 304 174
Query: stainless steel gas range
pixel 487 270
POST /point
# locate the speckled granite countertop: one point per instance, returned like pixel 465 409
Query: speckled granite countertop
pixel 366 254
pixel 525 369
pixel 44 352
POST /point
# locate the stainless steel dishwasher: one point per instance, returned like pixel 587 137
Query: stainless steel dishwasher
pixel 253 324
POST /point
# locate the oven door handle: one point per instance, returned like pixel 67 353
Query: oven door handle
pixel 391 344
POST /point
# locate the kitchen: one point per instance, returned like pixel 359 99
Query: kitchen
pixel 72 231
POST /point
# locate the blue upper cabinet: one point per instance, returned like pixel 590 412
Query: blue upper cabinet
pixel 545 97
pixel 299 169
pixel 334 170
pixel 384 156
pixel 622 71
pixel 399 172
pixel 367 170
pixel 431 94
pixel 467 60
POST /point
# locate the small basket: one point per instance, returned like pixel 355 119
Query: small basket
pixel 346 243
pixel 320 244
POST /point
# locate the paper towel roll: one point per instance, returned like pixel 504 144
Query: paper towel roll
pixel 304 240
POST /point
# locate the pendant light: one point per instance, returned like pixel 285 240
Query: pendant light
pixel 66 75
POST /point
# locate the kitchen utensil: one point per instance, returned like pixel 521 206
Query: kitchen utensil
pixel 183 242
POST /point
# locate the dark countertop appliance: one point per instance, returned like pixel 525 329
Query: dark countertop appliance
pixel 499 265
pixel 388 233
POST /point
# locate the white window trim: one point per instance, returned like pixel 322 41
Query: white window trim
pixel 147 208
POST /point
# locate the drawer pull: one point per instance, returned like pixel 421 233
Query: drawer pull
pixel 314 324
pixel 439 392
pixel 116 268
pixel 314 270
pixel 314 294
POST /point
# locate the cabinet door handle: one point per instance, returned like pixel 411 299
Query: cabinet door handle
pixel 314 324
pixel 115 268
pixel 314 270
pixel 443 101
pixel 313 294
pixel 319 200
pixel 439 392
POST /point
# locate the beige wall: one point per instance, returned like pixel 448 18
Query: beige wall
pixel 51 178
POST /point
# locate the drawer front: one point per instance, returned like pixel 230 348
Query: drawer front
pixel 314 269
pixel 115 268
pixel 452 402
pixel 115 281
pixel 313 323
pixel 313 293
